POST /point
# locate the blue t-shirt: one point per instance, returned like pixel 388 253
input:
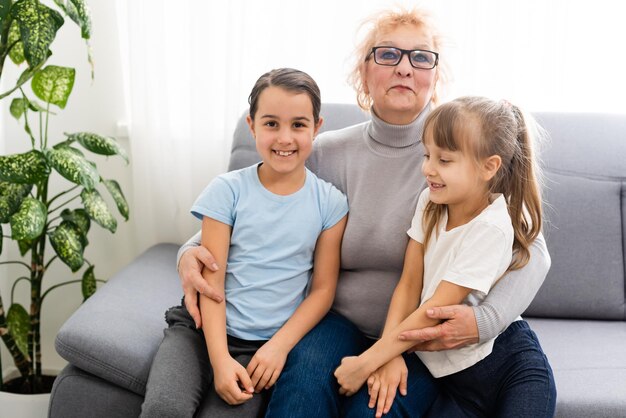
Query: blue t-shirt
pixel 272 243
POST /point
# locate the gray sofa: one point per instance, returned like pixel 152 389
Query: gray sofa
pixel 579 313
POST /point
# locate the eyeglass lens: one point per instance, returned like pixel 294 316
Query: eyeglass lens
pixel 392 56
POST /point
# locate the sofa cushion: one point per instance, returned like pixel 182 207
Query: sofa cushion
pixel 589 363
pixel 131 308
pixel 584 237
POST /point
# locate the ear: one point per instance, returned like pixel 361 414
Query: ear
pixel 251 126
pixel 363 75
pixel 320 122
pixel 490 166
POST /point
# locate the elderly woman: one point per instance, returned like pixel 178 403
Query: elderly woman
pixel 377 165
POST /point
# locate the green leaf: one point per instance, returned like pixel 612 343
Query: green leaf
pixel 25 246
pixel 18 322
pixel 38 27
pixel 78 217
pixel 27 168
pixel 97 209
pixel 73 166
pixel 29 221
pixel 17 51
pixel 78 12
pixel 11 197
pixel 88 284
pixel 5 6
pixel 116 192
pixel 18 107
pixel 98 144
pixel 66 239
pixel 54 84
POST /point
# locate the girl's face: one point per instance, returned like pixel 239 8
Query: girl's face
pixel 455 178
pixel 401 92
pixel 283 128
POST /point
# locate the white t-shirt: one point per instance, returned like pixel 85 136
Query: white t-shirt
pixel 474 255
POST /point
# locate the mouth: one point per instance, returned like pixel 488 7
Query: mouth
pixel 435 186
pixel 402 88
pixel 283 153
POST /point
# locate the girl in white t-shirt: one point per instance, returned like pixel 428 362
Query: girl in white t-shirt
pixel 475 221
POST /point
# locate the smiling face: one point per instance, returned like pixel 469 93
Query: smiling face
pixel 456 178
pixel 283 128
pixel 401 92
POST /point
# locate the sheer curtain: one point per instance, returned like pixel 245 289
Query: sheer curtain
pixel 190 64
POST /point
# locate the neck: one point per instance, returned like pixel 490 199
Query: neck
pixel 279 183
pixel 462 213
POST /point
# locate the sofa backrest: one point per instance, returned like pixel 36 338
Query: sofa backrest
pixel 584 164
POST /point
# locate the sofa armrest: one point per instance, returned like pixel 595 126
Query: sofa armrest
pixel 115 333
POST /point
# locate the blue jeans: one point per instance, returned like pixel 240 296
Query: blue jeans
pixel 514 381
pixel 308 388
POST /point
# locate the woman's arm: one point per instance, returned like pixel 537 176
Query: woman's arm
pixel 191 259
pixel 216 238
pixel 508 299
pixel 266 365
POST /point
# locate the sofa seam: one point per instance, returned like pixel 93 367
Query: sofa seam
pixel 107 367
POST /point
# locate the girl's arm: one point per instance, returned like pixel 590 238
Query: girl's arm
pixel 354 370
pixel 267 363
pixel 229 374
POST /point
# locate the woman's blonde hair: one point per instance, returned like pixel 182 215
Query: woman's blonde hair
pixel 383 22
pixel 486 128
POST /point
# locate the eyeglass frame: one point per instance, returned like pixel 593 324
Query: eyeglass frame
pixel 403 52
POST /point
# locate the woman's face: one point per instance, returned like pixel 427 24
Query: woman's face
pixel 401 92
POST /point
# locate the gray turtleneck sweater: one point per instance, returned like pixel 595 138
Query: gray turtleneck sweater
pixel 378 166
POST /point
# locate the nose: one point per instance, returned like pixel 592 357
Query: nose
pixel 427 168
pixel 404 68
pixel 284 136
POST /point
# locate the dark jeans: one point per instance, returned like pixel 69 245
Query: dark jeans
pixel 308 388
pixel 180 383
pixel 514 381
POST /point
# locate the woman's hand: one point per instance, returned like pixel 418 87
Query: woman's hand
pixel 266 365
pixel 190 271
pixel 230 377
pixel 383 384
pixel 458 330
pixel 351 375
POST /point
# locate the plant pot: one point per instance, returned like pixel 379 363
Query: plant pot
pixel 24 406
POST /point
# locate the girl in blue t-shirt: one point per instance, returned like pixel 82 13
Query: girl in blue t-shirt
pixel 277 228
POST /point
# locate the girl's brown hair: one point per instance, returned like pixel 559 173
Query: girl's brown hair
pixel 499 128
pixel 289 79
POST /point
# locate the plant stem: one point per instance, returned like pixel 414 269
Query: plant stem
pixel 50 262
pixel 61 194
pixel 63 204
pixel 16 262
pixel 14 285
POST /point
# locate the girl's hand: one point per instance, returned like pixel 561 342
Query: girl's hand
pixel 351 375
pixel 230 377
pixel 383 384
pixel 266 365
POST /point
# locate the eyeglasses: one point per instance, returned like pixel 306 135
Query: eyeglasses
pixel 391 56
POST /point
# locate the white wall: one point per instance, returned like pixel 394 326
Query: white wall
pixel 93 106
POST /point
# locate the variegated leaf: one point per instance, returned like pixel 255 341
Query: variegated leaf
pixel 5 7
pixel 27 168
pixel 29 221
pixel 25 246
pixel 18 322
pixel 54 84
pixel 17 52
pixel 98 210
pixel 67 242
pixel 88 284
pixel 99 144
pixel 18 107
pixel 116 192
pixel 78 217
pixel 38 27
pixel 73 166
pixel 78 12
pixel 11 196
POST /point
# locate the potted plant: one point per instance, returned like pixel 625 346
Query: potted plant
pixel 33 213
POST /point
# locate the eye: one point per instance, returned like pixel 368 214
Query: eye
pixel 444 161
pixel 427 156
pixel 387 55
pixel 271 124
pixel 299 125
pixel 423 58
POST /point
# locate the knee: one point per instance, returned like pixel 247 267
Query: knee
pixel 164 407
